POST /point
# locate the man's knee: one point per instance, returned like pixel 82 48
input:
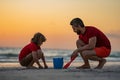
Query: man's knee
pixel 88 53
pixel 84 53
pixel 79 43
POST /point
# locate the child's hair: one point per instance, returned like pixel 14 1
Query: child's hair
pixel 38 36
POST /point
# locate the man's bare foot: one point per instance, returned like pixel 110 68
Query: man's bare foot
pixel 83 67
pixel 101 64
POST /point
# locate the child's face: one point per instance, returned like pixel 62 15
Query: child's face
pixel 40 43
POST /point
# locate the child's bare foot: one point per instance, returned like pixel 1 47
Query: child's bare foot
pixel 46 67
pixel 31 67
pixel 101 64
pixel 40 67
pixel 83 67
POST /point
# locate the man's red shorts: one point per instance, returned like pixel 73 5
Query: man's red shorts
pixel 102 52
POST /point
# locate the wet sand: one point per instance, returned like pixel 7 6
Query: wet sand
pixel 13 71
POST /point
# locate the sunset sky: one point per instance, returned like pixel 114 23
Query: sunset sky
pixel 20 19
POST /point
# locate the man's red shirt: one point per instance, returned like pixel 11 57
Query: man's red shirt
pixel 102 40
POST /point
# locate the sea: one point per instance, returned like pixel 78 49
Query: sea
pixel 11 54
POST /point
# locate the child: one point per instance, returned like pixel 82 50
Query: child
pixel 32 52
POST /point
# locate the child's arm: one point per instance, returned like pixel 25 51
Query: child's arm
pixel 43 59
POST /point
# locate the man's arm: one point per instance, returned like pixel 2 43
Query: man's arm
pixel 90 45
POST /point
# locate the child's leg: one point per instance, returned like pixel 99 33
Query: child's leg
pixel 27 61
pixel 39 54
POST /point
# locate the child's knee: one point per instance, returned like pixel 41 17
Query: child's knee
pixel 40 55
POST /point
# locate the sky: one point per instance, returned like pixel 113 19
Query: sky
pixel 21 19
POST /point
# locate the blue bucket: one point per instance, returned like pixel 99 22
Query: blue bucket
pixel 58 63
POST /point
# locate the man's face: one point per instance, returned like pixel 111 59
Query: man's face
pixel 76 29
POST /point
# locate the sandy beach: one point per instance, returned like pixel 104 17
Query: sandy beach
pixel 13 71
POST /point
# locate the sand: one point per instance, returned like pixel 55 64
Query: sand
pixel 13 71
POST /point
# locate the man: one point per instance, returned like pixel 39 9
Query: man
pixel 92 44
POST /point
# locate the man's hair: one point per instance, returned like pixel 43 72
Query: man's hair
pixel 37 37
pixel 76 22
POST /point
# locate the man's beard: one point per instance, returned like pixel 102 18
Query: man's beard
pixel 78 32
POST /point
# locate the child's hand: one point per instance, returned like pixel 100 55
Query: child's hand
pixel 40 67
pixel 46 67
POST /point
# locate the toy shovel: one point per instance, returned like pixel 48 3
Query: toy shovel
pixel 68 64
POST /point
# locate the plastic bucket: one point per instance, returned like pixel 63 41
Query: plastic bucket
pixel 58 63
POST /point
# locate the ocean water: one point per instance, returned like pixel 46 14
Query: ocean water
pixel 11 54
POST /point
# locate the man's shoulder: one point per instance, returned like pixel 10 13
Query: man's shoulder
pixel 90 27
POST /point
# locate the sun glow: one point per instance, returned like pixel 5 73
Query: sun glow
pixel 20 19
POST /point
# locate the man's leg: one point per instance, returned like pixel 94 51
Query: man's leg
pixel 80 43
pixel 100 53
pixel 91 55
pixel 86 55
pixel 102 61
